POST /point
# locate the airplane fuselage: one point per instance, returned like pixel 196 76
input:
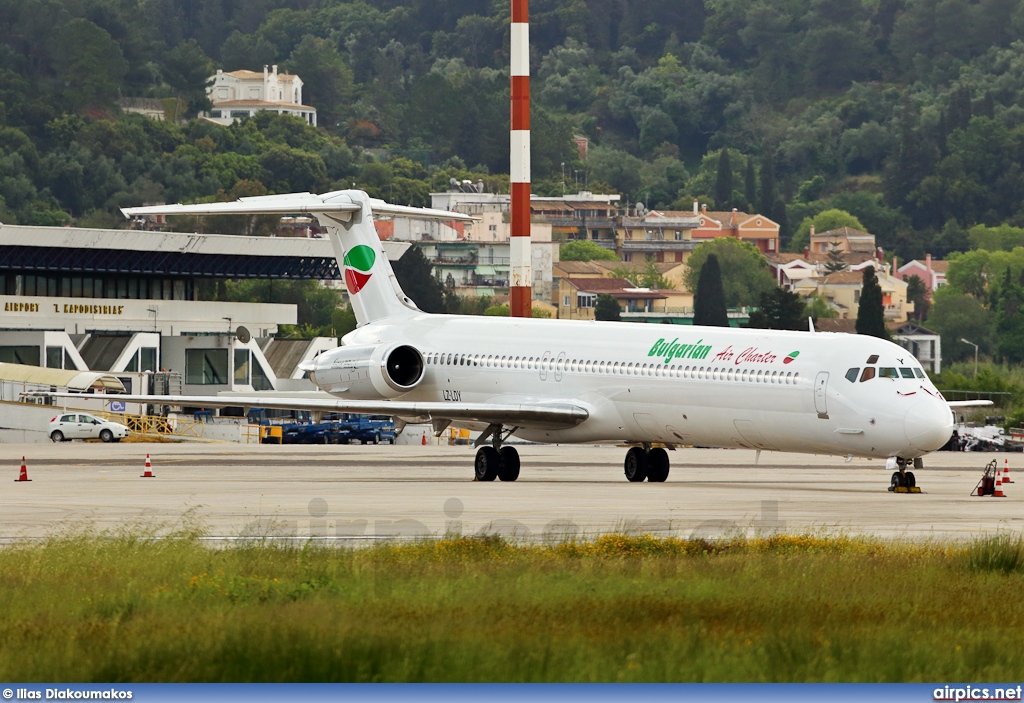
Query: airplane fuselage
pixel 675 384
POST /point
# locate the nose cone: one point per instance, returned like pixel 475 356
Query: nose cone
pixel 929 425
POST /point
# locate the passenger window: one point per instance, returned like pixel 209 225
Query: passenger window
pixel 919 373
pixel 867 374
pixel 906 372
pixel 888 372
pixel 851 375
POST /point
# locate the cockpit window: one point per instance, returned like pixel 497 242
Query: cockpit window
pixel 868 374
pixel 851 375
pixel 919 373
pixel 906 372
pixel 888 372
pixel 873 359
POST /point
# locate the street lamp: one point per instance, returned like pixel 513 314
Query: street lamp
pixel 975 355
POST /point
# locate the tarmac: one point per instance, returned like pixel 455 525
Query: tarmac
pixel 357 494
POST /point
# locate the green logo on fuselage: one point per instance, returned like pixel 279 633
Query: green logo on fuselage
pixel 675 350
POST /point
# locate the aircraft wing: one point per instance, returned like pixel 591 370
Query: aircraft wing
pixel 519 414
pixel 295 203
pixel 967 403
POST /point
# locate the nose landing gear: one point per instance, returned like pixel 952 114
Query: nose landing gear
pixel 495 461
pixel 646 463
pixel 904 481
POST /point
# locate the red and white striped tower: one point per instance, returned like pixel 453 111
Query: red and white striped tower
pixel 521 304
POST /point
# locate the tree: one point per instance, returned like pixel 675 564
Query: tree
pixel 315 304
pixel 709 299
pixel 750 183
pixel 1010 321
pixel 957 316
pixel 186 69
pixel 744 270
pixel 607 308
pixel 327 81
pixel 870 312
pixel 769 191
pixel 414 275
pixel 835 261
pixel 723 182
pixel 917 293
pixel 585 250
pixel 818 308
pixel 91 64
pixel 646 277
pixel 780 310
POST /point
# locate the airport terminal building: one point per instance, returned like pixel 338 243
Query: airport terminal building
pixel 126 301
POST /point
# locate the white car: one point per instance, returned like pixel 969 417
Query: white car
pixel 82 426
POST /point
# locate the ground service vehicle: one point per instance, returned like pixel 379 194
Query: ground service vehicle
pixel 79 425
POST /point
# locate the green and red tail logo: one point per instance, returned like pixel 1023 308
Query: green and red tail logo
pixel 358 263
pixel 790 357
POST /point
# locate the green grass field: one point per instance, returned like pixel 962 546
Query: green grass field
pixel 119 608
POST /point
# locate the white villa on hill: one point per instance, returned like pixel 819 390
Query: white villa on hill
pixel 239 94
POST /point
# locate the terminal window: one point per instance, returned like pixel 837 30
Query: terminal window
pixel 206 366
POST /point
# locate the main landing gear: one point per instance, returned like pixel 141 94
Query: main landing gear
pixel 494 460
pixel 646 463
pixel 904 481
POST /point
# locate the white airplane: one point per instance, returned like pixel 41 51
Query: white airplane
pixel 565 381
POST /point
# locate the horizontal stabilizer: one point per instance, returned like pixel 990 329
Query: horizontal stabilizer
pixel 297 204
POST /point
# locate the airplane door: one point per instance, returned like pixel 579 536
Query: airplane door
pixel 820 388
pixel 559 365
pixel 545 360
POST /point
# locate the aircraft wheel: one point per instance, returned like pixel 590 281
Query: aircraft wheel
pixel 636 465
pixel 657 465
pixel 910 479
pixel 509 470
pixel 487 462
pixel 897 480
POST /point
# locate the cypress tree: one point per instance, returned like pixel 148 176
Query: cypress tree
pixel 709 299
pixel 769 189
pixel 870 313
pixel 723 183
pixel 750 184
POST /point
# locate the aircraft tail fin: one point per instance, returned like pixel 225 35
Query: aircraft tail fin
pixel 374 291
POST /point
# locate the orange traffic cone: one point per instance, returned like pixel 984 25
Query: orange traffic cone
pixel 149 468
pixel 998 492
pixel 23 476
pixel 424 442
pixel 1006 471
